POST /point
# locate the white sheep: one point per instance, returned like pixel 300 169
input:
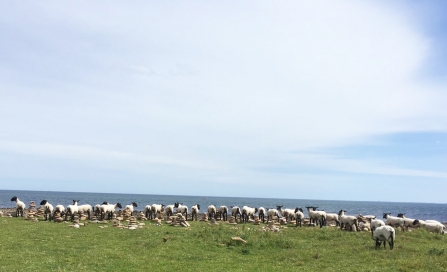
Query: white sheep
pixel 182 209
pixel 299 216
pixel 316 216
pixel 72 209
pixel 375 223
pixel 131 206
pixel 212 211
pixel 289 214
pixel 169 210
pixel 384 234
pixel 109 209
pixel 235 211
pixel 195 211
pixel 430 225
pixel 59 209
pixel 48 209
pixel 247 212
pixel 271 213
pixel 408 222
pixel 394 221
pixel 262 213
pixel 20 206
pixel 333 217
pixel 347 220
pixel 86 209
pixel 223 213
pixel 156 209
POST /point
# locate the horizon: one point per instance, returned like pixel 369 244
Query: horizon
pixel 319 100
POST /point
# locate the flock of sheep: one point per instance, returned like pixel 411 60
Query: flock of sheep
pixel 381 231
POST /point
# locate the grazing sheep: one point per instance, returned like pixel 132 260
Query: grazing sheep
pixel 262 213
pixel 394 221
pixel 430 225
pixel 48 209
pixel 72 209
pixel 181 209
pixel 131 206
pixel 20 206
pixel 347 220
pixel 156 209
pixel 195 211
pixel 271 213
pixel 235 210
pixel 223 213
pixel 316 216
pixel 374 224
pixel 247 212
pixel 384 234
pixel 299 216
pixel 109 209
pixel 212 211
pixel 288 214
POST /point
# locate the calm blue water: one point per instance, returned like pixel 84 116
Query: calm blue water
pixel 412 210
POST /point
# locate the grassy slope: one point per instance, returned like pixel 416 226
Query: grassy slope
pixel 44 246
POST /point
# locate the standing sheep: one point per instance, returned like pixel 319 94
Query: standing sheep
pixel 20 206
pixel 195 211
pixel 48 210
pixel 384 234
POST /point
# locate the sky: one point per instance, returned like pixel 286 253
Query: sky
pixel 334 100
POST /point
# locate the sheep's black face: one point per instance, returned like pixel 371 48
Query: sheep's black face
pixel 134 204
pixel 119 205
pixel 105 203
pixel 14 198
pixel 43 202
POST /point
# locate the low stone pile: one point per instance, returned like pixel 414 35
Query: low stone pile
pixel 179 220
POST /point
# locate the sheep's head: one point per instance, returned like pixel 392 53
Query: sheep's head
pixel 43 202
pixel 14 198
pixel 385 215
pixel 134 204
pixel 416 222
pixel 119 205
pixel 401 215
pixel 105 203
pixel 279 207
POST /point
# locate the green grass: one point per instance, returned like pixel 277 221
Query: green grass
pixel 48 246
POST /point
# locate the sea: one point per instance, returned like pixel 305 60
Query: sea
pixel 425 211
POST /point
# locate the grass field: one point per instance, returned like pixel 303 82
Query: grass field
pixel 48 246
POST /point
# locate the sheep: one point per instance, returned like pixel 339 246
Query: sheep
pixel 317 216
pixel 430 225
pixel 195 211
pixel 86 209
pixel 182 209
pixel 235 210
pixel 374 224
pixel 131 206
pixel 348 220
pixel 408 222
pixel 333 217
pixel 59 209
pixel 289 214
pixel 97 209
pixel 394 221
pixel 212 211
pixel 20 206
pixel 299 216
pixel 262 213
pixel 109 209
pixel 156 209
pixel 72 209
pixel 384 234
pixel 169 210
pixel 223 213
pixel 48 209
pixel 247 212
pixel 271 213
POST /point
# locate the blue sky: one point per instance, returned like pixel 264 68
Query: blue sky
pixel 341 100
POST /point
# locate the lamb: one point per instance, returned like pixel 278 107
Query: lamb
pixel 262 213
pixel 430 225
pixel 289 214
pixel 195 211
pixel 20 206
pixel 212 211
pixel 72 209
pixel 317 216
pixel 156 209
pixel 131 206
pixel 374 224
pixel 182 209
pixel 384 234
pixel 223 213
pixel 299 216
pixel 348 220
pixel 109 209
pixel 48 209
pixel 394 221
pixel 271 213
pixel 235 210
pixel 247 212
